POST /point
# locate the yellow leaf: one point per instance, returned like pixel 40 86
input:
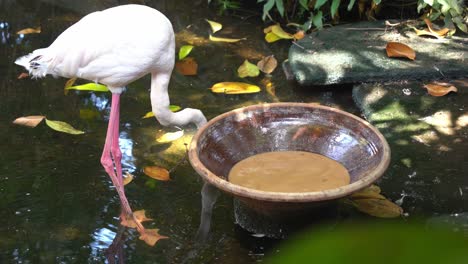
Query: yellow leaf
pixel 128 178
pixel 396 49
pixel 89 87
pixel 151 236
pixel 148 115
pixel 63 127
pixel 278 30
pixel 29 121
pixel 271 37
pixel 29 31
pixel 440 89
pixel 378 207
pixel 229 40
pixel 268 64
pixel 170 136
pixel 268 29
pixel 139 215
pixel 173 108
pixel 215 26
pixel 69 84
pixel 234 88
pixel 248 69
pixel 157 173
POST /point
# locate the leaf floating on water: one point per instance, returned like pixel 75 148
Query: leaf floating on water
pixel 268 64
pixel 151 236
pixel 157 173
pixel 235 88
pixel 128 178
pixel 29 31
pixel 248 69
pixel 23 75
pixel 69 84
pixel 170 136
pixel 29 121
pixel 378 207
pixel 396 49
pixel 215 26
pixel 139 215
pixel 63 127
pixel 184 51
pixel 229 40
pixel 371 192
pixel 187 66
pixel 148 115
pixel 89 87
pixel 440 89
pixel 173 108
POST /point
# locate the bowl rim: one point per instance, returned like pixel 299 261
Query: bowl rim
pixel 245 192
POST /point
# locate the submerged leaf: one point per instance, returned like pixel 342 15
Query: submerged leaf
pixel 89 87
pixel 128 178
pixel 170 136
pixel 215 26
pixel 440 89
pixel 229 40
pixel 184 51
pixel 248 69
pixel 268 64
pixel 29 31
pixel 234 88
pixel 29 121
pixel 157 173
pixel 187 66
pixel 63 127
pixel 378 207
pixel 396 49
pixel 151 236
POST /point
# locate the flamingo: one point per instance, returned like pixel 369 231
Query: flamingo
pixel 115 47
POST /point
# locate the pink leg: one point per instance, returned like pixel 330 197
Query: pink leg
pixel 112 156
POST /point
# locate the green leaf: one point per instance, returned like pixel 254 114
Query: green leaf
pixel 96 87
pixel 351 4
pixel 317 20
pixel 334 7
pixel 319 4
pixel 248 69
pixel 267 7
pixel 63 127
pixel 304 4
pixel 280 7
pixel 185 51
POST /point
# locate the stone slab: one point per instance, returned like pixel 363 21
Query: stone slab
pixel 355 53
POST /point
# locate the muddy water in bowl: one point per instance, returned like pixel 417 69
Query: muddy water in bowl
pixel 289 171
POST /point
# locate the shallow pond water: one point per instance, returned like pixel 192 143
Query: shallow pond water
pixel 57 203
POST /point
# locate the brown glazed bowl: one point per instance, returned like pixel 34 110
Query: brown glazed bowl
pixel 241 133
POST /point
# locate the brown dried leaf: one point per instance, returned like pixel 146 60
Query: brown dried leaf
pixel 299 35
pixel 23 75
pixel 268 64
pixel 441 32
pixel 440 89
pixel 29 31
pixel 187 66
pixel 396 49
pixel 151 236
pixel 378 207
pixel 157 173
pixel 140 216
pixel 29 121
pixel 128 178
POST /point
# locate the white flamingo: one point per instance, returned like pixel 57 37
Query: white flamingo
pixel 115 47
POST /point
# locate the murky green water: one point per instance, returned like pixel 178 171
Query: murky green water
pixel 57 204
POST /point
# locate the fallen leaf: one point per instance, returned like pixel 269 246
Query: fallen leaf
pixel 23 75
pixel 267 29
pixel 184 51
pixel 187 66
pixel 29 31
pixel 268 64
pixel 229 40
pixel 378 207
pixel 151 236
pixel 442 32
pixel 396 49
pixel 271 37
pixel 29 121
pixel 157 173
pixel 173 108
pixel 371 192
pixel 128 178
pixel 299 35
pixel 215 26
pixel 278 30
pixel 69 84
pixel 170 136
pixel 234 88
pixel 89 87
pixel 440 89
pixel 139 215
pixel 248 69
pixel 63 127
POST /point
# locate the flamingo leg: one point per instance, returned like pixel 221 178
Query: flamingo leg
pixel 112 156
